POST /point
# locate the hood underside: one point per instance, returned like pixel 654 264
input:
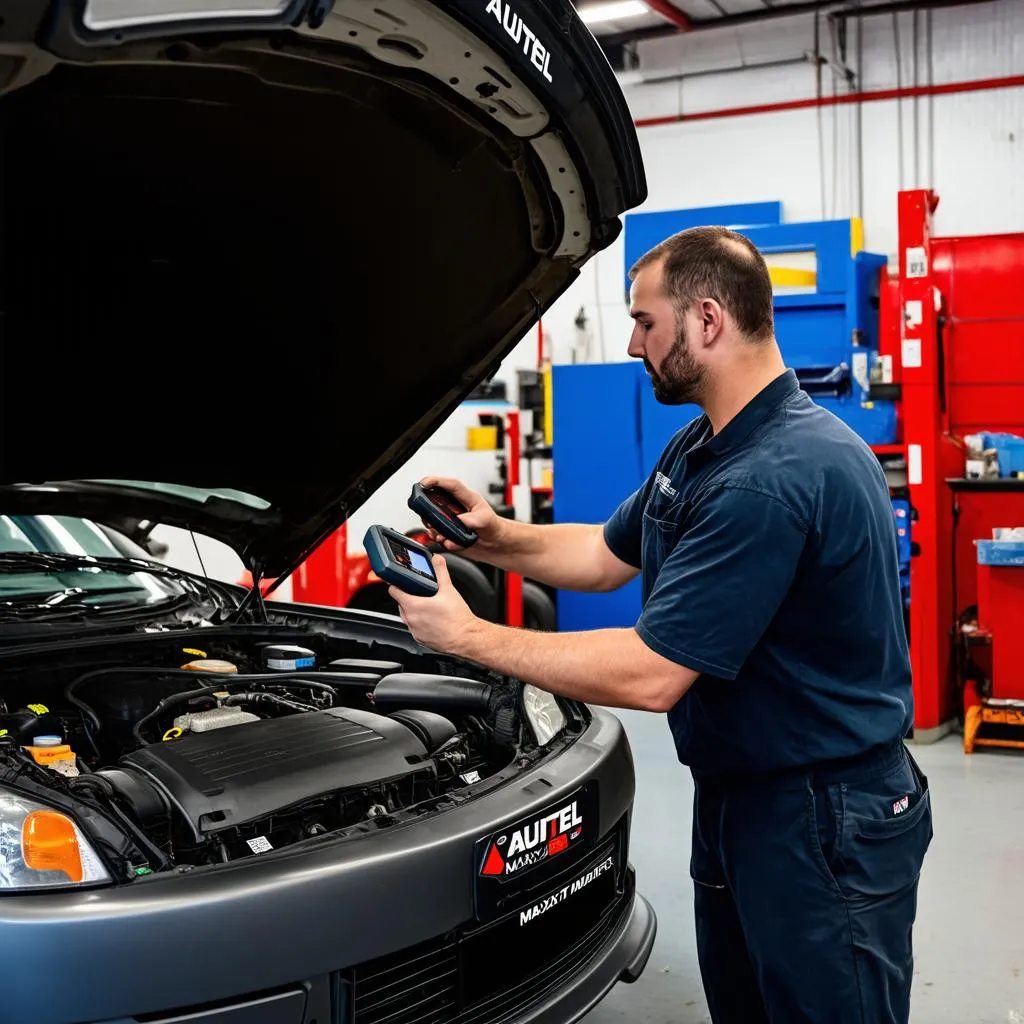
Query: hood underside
pixel 270 264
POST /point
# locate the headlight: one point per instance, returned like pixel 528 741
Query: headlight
pixel 546 718
pixel 42 848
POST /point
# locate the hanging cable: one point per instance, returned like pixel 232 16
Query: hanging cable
pixel 835 120
pixel 899 85
pixel 917 137
pixel 931 100
pixel 860 118
pixel 820 115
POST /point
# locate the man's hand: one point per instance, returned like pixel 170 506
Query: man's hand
pixel 479 516
pixel 567 556
pixel 436 622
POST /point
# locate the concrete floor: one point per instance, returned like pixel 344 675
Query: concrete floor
pixel 969 936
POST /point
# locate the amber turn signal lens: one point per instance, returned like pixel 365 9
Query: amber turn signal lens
pixel 49 843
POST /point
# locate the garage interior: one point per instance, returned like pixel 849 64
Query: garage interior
pixel 847 134
pixel 873 150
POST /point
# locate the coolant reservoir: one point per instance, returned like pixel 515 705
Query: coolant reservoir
pixel 52 752
pixel 210 665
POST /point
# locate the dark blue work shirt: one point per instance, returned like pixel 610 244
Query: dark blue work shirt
pixel 769 565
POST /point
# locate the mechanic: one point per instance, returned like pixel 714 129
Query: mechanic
pixel 771 634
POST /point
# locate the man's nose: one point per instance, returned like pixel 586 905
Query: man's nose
pixel 636 344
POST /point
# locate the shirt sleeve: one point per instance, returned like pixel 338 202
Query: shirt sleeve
pixel 623 533
pixel 723 582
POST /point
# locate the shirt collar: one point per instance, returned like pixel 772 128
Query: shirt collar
pixel 753 414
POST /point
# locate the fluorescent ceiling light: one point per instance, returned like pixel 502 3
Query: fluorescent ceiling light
pixel 613 11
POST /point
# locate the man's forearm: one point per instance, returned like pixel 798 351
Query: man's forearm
pixel 561 555
pixel 610 667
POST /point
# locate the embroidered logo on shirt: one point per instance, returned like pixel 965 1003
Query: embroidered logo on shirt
pixel 665 485
pixel 899 806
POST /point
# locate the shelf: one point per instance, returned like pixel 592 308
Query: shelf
pixel 988 484
pixel 888 449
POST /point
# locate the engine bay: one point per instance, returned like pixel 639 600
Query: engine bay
pixel 172 757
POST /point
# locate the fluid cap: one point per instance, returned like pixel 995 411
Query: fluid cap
pixel 288 658
pixel 47 741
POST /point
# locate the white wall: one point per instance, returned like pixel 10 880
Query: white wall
pixel 970 146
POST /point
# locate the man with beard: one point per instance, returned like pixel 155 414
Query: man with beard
pixel 772 636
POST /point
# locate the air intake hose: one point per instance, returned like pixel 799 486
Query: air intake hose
pixel 432 693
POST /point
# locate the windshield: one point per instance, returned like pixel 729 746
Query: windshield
pixel 32 583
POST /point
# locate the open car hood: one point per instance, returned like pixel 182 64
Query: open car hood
pixel 258 259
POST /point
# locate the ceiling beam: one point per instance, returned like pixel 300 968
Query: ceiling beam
pixel 671 14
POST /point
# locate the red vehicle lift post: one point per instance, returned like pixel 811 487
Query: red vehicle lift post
pixel 927 458
pixel 961 366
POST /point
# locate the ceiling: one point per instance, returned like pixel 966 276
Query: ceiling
pixel 618 22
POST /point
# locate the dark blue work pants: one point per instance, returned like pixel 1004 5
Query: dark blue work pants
pixel 805 891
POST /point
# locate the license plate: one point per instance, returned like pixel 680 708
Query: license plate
pixel 514 860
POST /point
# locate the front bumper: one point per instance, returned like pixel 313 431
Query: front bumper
pixel 274 940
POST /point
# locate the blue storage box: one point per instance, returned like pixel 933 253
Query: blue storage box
pixel 875 425
pixel 1001 552
pixel 1010 451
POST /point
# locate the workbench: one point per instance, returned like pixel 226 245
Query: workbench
pixel 992 669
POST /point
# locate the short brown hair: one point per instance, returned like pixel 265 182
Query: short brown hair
pixel 719 264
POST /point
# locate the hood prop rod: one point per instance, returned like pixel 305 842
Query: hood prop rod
pixel 254 597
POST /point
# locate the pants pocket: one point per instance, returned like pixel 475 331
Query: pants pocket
pixel 884 831
pixel 706 868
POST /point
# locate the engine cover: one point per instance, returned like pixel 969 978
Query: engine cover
pixel 225 778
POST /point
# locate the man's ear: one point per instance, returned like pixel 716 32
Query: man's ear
pixel 712 318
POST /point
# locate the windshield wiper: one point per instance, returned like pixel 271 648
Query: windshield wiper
pixel 71 601
pixel 194 585
pixel 60 561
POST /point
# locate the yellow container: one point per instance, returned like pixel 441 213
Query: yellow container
pixel 52 754
pixel 482 439
pixel 47 755
pixel 210 665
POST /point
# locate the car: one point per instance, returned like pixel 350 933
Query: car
pixel 254 252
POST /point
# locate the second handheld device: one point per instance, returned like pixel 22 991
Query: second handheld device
pixel 441 510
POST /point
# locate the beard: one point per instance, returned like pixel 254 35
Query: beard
pixel 681 380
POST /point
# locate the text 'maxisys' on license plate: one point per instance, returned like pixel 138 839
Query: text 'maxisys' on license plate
pixel 606 866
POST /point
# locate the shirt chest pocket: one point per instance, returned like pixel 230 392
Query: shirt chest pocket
pixel 664 523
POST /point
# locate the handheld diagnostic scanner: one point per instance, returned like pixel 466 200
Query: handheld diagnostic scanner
pixel 441 510
pixel 400 561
